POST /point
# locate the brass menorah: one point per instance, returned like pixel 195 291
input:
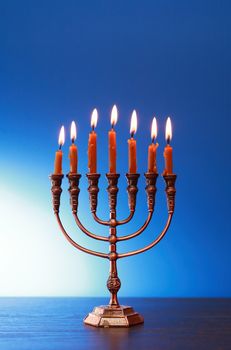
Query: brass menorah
pixel 114 314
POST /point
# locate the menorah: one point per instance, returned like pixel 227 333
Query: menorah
pixel 113 314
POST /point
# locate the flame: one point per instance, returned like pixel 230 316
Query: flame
pixel 73 131
pixel 61 136
pixel 133 126
pixel 168 130
pixel 154 129
pixel 94 118
pixel 114 115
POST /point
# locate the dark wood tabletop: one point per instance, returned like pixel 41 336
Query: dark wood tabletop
pixel 56 323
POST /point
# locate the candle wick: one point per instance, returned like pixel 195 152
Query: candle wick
pixel 132 135
pixel 112 126
pixel 168 141
pixel 60 146
pixel 93 128
pixel 73 140
pixel 153 139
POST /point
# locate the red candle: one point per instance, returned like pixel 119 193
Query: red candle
pixel 73 152
pixel 132 167
pixel 59 153
pixel 112 141
pixel 168 149
pixel 92 144
pixel 152 167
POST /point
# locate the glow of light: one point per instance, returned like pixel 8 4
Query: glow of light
pixel 94 118
pixel 73 131
pixel 61 136
pixel 114 115
pixel 133 126
pixel 154 129
pixel 168 130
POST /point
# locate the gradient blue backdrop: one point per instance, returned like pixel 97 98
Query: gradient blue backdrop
pixel 59 60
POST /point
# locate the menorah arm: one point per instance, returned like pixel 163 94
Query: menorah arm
pixel 156 241
pixel 76 245
pixel 88 233
pixel 112 189
pixel 138 232
pixel 108 223
pixel 100 221
pixel 125 221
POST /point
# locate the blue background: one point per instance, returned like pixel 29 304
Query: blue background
pixel 59 60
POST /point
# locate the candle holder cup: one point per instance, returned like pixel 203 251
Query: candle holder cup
pixel 113 314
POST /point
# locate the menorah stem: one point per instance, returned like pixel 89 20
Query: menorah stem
pixel 113 282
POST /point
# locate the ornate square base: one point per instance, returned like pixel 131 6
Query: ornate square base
pixel 107 316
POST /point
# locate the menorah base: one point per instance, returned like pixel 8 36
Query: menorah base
pixel 107 316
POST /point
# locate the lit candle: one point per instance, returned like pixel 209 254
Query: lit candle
pixel 112 141
pixel 168 148
pixel 152 168
pixel 132 145
pixel 92 144
pixel 59 153
pixel 73 152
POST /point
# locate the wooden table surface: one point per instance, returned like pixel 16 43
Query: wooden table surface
pixel 56 323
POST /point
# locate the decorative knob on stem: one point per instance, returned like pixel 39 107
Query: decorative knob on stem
pixel 93 190
pixel 113 285
pixel 170 191
pixel 56 190
pixel 151 190
pixel 132 190
pixel 74 190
